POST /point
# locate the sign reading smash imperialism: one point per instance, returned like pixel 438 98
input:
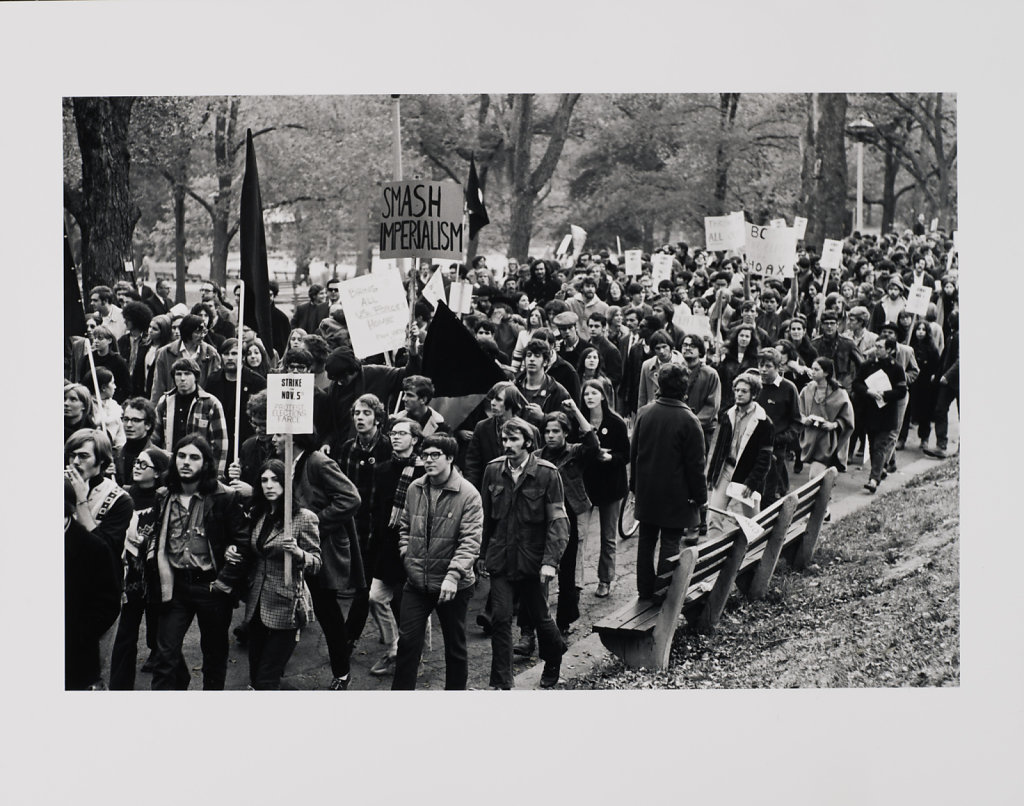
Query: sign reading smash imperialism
pixel 422 219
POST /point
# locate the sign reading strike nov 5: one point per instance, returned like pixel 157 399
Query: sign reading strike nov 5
pixel 422 219
pixel 290 403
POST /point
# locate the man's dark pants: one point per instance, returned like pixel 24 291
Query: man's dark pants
pixel 192 600
pixel 532 600
pixel 416 608
pixel 646 577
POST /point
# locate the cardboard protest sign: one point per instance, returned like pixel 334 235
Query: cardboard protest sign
pixel 661 267
pixel 831 254
pixel 378 264
pixel 935 225
pixel 777 222
pixel 460 297
pixel 422 219
pixel 918 297
pixel 800 227
pixel 433 291
pixel 563 247
pixel 724 232
pixel 290 403
pixel 377 312
pixel 634 260
pixel 771 251
pixel 579 237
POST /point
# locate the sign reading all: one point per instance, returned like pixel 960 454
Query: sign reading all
pixel 290 403
pixel 422 219
pixel 376 310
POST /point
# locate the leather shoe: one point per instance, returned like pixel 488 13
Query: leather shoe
pixel 383 667
pixel 603 589
pixel 484 623
pixel 871 486
pixel 549 677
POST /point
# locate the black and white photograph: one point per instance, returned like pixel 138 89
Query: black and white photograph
pixel 440 358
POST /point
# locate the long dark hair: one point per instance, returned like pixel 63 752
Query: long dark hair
pixel 260 505
pixel 580 368
pixel 829 368
pixel 733 350
pixel 207 476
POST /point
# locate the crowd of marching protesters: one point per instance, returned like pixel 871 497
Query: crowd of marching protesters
pixel 699 394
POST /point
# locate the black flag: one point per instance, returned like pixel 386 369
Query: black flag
pixel 475 203
pixel 74 313
pixel 461 371
pixel 253 245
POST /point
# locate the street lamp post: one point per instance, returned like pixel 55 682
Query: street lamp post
pixel 862 130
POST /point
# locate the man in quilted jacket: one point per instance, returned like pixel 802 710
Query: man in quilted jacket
pixel 440 529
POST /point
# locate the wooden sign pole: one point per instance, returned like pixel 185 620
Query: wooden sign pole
pixel 289 460
pixel 239 414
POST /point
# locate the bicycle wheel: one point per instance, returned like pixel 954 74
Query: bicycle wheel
pixel 627 518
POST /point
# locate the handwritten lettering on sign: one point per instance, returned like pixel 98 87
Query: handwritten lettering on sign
pixel 376 310
pixel 290 403
pixel 771 251
pixel 422 219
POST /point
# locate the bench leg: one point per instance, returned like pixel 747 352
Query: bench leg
pixel 636 650
pixel 668 618
pixel 758 584
pixel 705 618
pixel 805 549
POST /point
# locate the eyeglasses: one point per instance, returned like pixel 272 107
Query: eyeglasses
pixel 144 465
pixel 432 456
pixel 400 434
pixel 133 420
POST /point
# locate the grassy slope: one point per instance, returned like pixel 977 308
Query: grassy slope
pixel 880 606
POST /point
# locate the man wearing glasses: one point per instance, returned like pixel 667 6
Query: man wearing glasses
pixel 139 419
pixel 440 530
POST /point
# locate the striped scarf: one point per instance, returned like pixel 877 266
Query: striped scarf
pixel 404 480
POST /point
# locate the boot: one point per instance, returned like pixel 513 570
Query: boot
pixel 526 645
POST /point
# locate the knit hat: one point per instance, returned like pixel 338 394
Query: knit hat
pixel 859 312
pixel 341 362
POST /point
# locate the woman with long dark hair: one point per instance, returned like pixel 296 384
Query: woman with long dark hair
pixel 277 606
pixel 827 414
pixel 605 482
pixel 924 389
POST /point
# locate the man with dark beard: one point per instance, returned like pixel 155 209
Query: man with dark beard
pixel 198 519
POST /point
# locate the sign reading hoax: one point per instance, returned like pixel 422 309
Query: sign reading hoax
pixel 290 403
pixel 771 251
pixel 422 219
pixel 376 310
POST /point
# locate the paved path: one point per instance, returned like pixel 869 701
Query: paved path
pixel 309 668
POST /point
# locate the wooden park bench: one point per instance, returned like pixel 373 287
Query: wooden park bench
pixel 698 587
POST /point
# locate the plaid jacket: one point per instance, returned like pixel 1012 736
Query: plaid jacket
pixel 278 601
pixel 205 417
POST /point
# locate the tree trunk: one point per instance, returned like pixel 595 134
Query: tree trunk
pixel 648 236
pixel 180 263
pixel 108 212
pixel 727 102
pixel 224 136
pixel 892 168
pixel 823 178
pixel 527 184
